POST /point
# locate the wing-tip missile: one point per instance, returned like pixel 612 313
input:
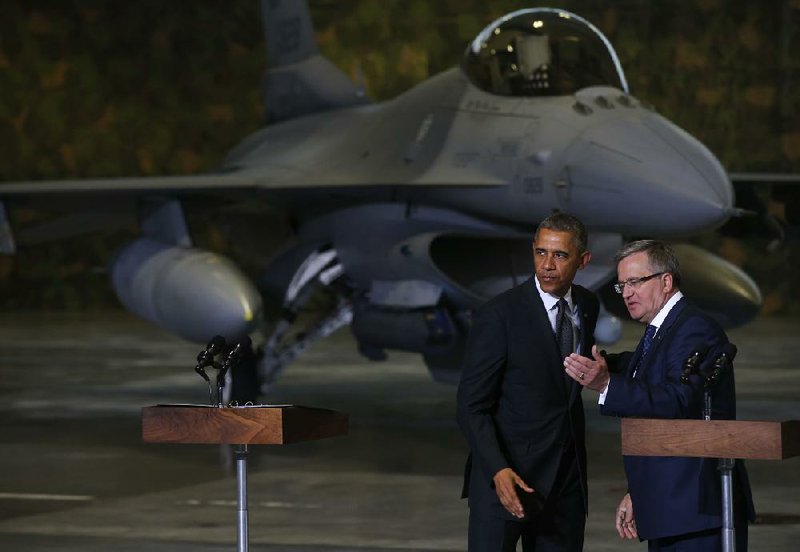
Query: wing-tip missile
pixel 191 292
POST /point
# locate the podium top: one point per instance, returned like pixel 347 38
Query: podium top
pixel 245 425
pixel 758 440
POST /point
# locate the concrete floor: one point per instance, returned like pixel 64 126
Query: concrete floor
pixel 74 474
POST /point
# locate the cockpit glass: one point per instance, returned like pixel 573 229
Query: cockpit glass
pixel 542 52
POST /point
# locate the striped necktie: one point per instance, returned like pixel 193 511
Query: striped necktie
pixel 647 340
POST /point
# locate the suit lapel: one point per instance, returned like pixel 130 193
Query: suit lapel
pixel 663 331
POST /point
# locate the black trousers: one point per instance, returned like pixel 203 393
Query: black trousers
pixel 559 527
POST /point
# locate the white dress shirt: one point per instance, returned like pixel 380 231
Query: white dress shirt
pixel 551 306
pixel 657 321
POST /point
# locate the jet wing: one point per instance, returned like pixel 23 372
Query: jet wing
pixel 210 182
pixel 774 178
pixel 199 182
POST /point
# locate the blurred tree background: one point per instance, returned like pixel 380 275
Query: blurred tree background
pixel 97 88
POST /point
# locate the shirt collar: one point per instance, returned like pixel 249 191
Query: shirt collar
pixel 662 314
pixel 550 300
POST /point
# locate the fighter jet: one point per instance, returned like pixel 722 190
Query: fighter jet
pixel 412 212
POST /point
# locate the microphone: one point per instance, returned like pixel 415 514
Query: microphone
pixel 722 363
pixel 206 356
pixel 691 365
pixel 233 356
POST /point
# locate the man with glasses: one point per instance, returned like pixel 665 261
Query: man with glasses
pixel 673 503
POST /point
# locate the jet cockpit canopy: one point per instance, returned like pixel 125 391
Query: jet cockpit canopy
pixel 542 52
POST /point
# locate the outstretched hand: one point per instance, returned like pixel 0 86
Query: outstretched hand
pixel 589 372
pixel 506 482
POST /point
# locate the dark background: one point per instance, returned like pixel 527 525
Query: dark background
pixel 105 88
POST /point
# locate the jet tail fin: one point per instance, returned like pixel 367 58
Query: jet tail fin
pixel 299 80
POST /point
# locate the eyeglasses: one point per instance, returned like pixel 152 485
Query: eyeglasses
pixel 619 287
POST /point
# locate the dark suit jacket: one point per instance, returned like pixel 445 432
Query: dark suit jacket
pixel 515 406
pixel 671 495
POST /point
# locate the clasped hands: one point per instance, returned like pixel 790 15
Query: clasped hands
pixel 589 372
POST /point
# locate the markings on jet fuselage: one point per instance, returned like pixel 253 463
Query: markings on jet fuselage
pixel 481 105
pixel 529 185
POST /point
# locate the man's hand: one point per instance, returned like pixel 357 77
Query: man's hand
pixel 626 524
pixel 589 372
pixel 506 482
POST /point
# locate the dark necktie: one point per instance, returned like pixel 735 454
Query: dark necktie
pixel 564 337
pixel 647 340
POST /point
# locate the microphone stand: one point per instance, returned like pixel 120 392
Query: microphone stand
pixel 233 355
pixel 725 465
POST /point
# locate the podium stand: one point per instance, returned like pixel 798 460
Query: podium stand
pixel 723 439
pixel 240 426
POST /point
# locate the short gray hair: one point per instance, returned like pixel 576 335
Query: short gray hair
pixel 660 256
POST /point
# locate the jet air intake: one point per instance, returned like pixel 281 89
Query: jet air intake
pixel 193 293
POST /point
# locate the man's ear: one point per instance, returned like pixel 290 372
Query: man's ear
pixel 586 256
pixel 669 282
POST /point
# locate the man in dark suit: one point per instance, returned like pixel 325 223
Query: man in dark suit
pixel 522 418
pixel 674 503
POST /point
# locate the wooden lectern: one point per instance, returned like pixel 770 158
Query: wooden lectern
pixel 723 439
pixel 240 426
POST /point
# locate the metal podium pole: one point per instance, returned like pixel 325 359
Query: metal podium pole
pixel 728 530
pixel 726 475
pixel 241 498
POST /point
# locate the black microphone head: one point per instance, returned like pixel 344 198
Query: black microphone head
pixel 214 347
pixel 233 354
pixel 727 355
pixel 242 347
pixel 691 365
pixel 721 364
pixel 236 352
pixel 694 359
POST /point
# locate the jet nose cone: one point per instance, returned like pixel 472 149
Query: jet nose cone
pixel 697 161
pixel 638 171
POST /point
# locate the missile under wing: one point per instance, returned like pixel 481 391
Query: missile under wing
pixel 412 212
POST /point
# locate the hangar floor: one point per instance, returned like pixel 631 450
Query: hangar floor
pixel 74 475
